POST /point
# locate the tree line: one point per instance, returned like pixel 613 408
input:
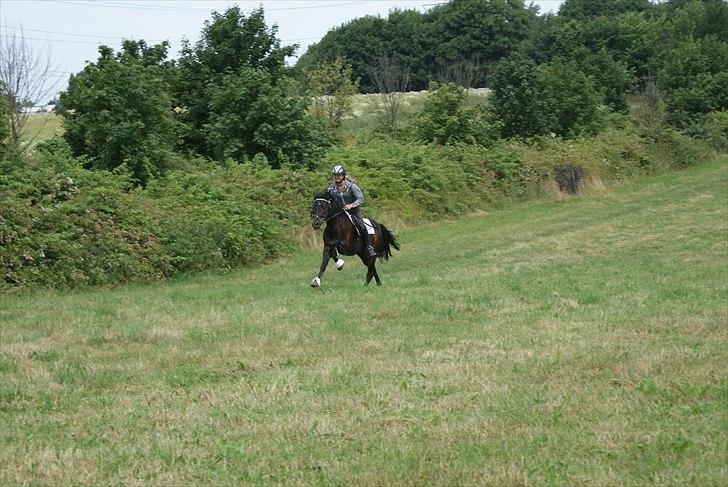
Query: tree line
pixel 230 96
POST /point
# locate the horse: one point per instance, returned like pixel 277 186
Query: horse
pixel 341 237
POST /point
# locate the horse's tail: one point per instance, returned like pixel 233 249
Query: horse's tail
pixel 390 240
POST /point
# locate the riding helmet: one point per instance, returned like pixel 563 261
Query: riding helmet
pixel 338 170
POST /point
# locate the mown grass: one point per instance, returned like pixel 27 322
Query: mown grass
pixel 41 126
pixel 574 342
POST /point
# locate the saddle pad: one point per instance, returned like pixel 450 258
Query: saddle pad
pixel 370 227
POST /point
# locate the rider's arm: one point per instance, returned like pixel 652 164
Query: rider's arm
pixel 358 195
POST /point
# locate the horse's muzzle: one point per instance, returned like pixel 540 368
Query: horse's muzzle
pixel 316 223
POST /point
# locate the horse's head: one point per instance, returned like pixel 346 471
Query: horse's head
pixel 321 205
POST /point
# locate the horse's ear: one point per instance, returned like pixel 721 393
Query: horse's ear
pixel 319 194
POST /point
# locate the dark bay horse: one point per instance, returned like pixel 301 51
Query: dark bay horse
pixel 340 237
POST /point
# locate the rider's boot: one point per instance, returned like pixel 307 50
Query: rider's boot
pixel 370 249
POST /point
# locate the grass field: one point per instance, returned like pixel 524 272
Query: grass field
pixel 41 126
pixel 583 341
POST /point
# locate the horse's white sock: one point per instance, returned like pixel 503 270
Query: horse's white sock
pixel 339 264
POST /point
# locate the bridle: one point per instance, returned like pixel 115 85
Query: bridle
pixel 328 203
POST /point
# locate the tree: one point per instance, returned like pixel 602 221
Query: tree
pixel 694 80
pixel 234 52
pixel 4 120
pixel 250 115
pixel 27 76
pixel 485 29
pixel 391 79
pixel 465 73
pixel 556 97
pixel 572 97
pixel 588 9
pixel 117 111
pixel 333 90
pixel 359 42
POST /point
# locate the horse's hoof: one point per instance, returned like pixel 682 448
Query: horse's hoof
pixel 339 264
pixel 316 282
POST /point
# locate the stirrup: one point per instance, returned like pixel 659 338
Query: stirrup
pixel 371 251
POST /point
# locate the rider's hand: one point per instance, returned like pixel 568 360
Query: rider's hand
pixel 348 207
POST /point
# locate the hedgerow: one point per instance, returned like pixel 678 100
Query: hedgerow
pixel 62 225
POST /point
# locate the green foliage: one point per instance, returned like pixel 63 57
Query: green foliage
pixel 694 79
pixel 694 19
pixel 587 9
pixel 445 120
pixel 556 97
pixel 117 111
pixel 713 128
pixel 476 29
pixel 65 226
pixel 450 33
pixel 519 99
pixel 332 87
pixel 249 114
pixel 235 99
pixel 358 42
pixel 572 98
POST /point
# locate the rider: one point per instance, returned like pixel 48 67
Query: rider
pixel 352 198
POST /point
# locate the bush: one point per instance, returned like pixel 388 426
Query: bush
pixel 519 99
pixel 445 120
pixel 713 128
pixel 573 99
pixel 66 226
pixel 62 225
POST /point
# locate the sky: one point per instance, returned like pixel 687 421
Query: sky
pixel 70 31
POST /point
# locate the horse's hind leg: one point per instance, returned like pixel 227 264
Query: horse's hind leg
pixel 376 275
pixel 370 273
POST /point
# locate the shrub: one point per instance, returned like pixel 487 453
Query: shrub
pixel 519 100
pixel 445 120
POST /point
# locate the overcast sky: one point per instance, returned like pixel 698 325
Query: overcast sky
pixel 72 30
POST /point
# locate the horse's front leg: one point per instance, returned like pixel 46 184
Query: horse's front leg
pixel 338 261
pixel 324 262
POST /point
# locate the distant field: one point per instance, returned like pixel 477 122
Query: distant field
pixel 575 342
pixel 42 126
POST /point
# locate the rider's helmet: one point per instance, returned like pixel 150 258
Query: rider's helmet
pixel 338 170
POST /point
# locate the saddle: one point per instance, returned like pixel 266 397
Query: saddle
pixel 367 223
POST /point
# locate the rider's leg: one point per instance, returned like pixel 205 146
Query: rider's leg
pixel 363 230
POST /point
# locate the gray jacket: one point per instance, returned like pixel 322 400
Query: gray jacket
pixel 351 195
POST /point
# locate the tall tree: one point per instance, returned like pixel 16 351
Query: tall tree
pixel 477 29
pixel 588 9
pixel 359 42
pixel 234 52
pixel 117 110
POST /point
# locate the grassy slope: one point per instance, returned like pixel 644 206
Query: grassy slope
pixel 583 341
pixel 42 126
